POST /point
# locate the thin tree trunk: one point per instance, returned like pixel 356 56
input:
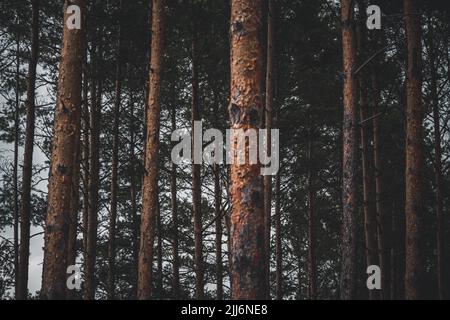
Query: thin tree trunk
pixel 93 184
pixel 348 269
pixel 196 187
pixel 270 70
pixel 248 259
pixel 134 217
pixel 150 183
pixel 86 166
pixel 218 215
pixel 27 173
pixel 440 237
pixel 67 116
pixel 278 248
pixel 174 204
pixel 413 170
pixel 114 169
pixel 370 218
pixel 159 253
pixel 16 170
pixel 384 220
pixel 312 219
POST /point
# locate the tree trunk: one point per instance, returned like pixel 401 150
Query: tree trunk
pixel 270 79
pixel 248 259
pixel 312 219
pixel 174 204
pixel 150 183
pixel 218 215
pixel 114 169
pixel 73 219
pixel 441 281
pixel 67 116
pixel 278 248
pixel 413 171
pixel 86 166
pixel 370 218
pixel 196 187
pixel 159 253
pixel 347 285
pixel 16 170
pixel 27 173
pixel 94 180
pixel 384 220
pixel 134 217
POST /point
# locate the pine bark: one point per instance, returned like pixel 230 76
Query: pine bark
pixel 247 191
pixel 270 70
pixel 67 115
pixel 150 183
pixel 348 261
pixel 413 170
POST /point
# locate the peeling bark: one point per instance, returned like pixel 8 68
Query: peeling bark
pixel 245 109
pixel 67 115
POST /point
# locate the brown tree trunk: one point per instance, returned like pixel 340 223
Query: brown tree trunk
pixel 270 79
pixel 27 172
pixel 248 259
pixel 312 219
pixel 73 219
pixel 347 285
pixel 16 170
pixel 67 116
pixel 150 183
pixel 370 218
pixel 413 171
pixel 384 220
pixel 174 204
pixel 440 244
pixel 114 169
pixel 94 155
pixel 196 187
